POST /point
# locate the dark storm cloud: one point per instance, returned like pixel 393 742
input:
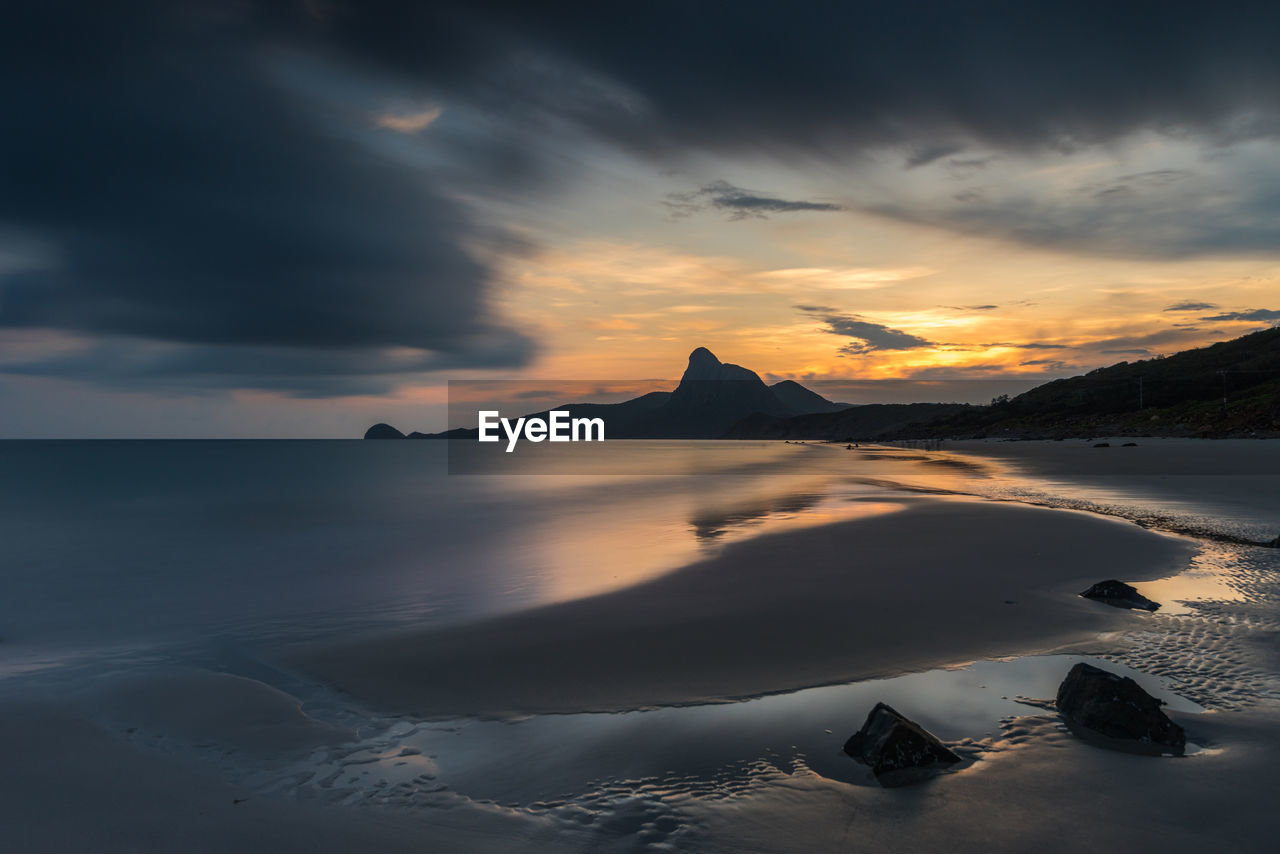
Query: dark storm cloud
pixel 130 363
pixel 1191 306
pixel 180 195
pixel 871 336
pixel 1252 314
pixel 925 75
pixel 929 80
pixel 738 203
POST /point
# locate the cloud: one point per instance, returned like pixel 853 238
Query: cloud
pixel 928 78
pixel 972 307
pixel 1143 343
pixel 843 278
pixel 1032 345
pixel 924 154
pixel 408 122
pixel 1251 314
pixel 1191 306
pixel 129 363
pixel 1234 207
pixel 872 336
pixel 738 203
pixel 182 196
pixel 1133 184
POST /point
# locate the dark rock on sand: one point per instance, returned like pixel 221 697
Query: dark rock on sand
pixel 383 431
pixel 1113 711
pixel 1103 445
pixel 1120 595
pixel 1129 445
pixel 899 751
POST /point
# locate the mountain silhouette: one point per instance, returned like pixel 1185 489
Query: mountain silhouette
pixel 711 398
pixel 802 401
pixel 1225 389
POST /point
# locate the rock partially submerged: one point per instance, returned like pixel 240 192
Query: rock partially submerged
pixel 899 751
pixel 1120 595
pixel 1113 711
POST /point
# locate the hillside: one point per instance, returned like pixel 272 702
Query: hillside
pixel 1231 388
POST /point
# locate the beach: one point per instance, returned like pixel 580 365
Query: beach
pixel 699 704
pixel 939 582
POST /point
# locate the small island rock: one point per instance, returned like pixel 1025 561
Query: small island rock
pixel 899 750
pixel 383 431
pixel 1113 711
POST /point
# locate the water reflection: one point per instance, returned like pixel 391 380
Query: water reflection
pixel 696 750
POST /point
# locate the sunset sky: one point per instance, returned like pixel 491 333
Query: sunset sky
pixel 297 218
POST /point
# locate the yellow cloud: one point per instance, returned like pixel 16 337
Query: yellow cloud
pixel 843 278
pixel 408 122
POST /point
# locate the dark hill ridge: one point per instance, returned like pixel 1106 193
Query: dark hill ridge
pixel 855 424
pixel 1231 388
pixel 803 401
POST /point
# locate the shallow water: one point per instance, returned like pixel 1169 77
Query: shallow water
pixel 118 549
pixel 694 749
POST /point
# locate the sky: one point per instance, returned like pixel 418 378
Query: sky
pixel 293 219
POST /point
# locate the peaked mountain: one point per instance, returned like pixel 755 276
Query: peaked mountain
pixel 712 397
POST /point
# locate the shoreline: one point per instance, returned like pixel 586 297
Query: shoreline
pixel 773 614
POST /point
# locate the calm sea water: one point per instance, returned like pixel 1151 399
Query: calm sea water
pixel 130 549
pixel 124 547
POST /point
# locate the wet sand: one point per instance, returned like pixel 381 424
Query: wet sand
pixel 71 786
pixel 941 582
